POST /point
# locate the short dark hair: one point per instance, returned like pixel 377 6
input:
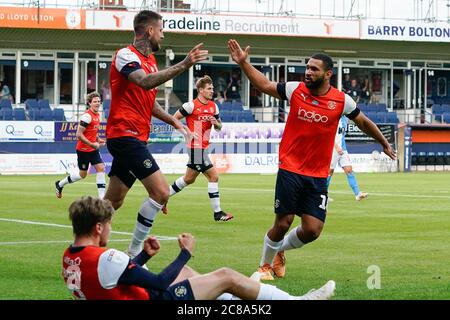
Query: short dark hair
pixel 143 19
pixel 87 211
pixel 326 59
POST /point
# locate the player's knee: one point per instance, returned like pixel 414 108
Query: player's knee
pixel 312 233
pixel 228 275
pixel 189 180
pixel 83 174
pixel 282 226
pixel 161 196
pixel 213 179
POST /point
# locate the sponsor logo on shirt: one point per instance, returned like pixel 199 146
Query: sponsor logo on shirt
pixel 311 116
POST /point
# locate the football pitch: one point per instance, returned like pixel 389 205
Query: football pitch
pixel 393 245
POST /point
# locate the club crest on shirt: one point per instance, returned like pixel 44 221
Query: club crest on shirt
pixel 148 163
pixel 331 105
pixel 180 291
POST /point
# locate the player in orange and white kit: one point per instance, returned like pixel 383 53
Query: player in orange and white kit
pixel 305 153
pixel 201 115
pixel 88 146
pixel 93 272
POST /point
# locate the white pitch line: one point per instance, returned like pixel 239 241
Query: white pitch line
pixel 70 227
pixel 50 242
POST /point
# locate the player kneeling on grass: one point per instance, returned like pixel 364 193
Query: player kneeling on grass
pixel 93 272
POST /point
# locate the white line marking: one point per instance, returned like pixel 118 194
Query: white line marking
pixel 51 242
pixel 338 192
pixel 70 227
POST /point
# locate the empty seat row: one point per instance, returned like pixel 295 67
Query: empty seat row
pixel 372 107
pixel 430 158
pixel 237 116
pixel 382 117
pixel 17 114
pixel 56 114
pixel 31 104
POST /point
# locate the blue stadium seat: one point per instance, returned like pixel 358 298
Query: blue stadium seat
pixel 372 107
pixel 46 114
pixel 431 158
pixel 446 117
pixel 227 105
pixel 43 104
pixel 31 104
pixel 447 158
pixel 6 114
pixel 422 158
pixel 445 108
pixel 382 107
pixel 34 114
pixel 440 158
pixel 236 106
pixel 382 117
pixel 436 109
pixel 19 114
pixel 58 115
pixel 106 113
pixel 362 106
pixel 414 159
pixel 392 117
pixel 5 103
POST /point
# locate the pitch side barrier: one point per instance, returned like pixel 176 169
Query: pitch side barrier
pixel 237 148
pixel 424 147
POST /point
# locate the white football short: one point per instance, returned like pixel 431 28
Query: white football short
pixel 343 160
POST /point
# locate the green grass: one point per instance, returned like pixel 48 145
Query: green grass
pixel 403 228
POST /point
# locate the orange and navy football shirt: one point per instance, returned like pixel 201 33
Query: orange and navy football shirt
pixel 131 106
pixel 198 119
pixel 308 139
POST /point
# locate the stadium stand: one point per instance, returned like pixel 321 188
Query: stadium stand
pixel 31 104
pixel 43 104
pixel 58 115
pixel 45 114
pixel 6 114
pixel 19 114
pixel 5 104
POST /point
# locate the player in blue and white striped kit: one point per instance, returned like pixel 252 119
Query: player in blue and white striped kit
pixel 340 156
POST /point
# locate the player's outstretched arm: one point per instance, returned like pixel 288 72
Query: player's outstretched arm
pixel 255 76
pixel 371 129
pixel 153 80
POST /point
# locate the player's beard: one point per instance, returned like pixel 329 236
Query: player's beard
pixel 315 84
pixel 154 45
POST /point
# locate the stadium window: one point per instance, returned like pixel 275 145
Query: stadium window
pixel 65 55
pixel 257 60
pixel 400 64
pixel 417 64
pixel 65 74
pixel 276 60
pixel 220 59
pixel 103 79
pixel 86 55
pixel 367 63
pixel 8 75
pixel 37 80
